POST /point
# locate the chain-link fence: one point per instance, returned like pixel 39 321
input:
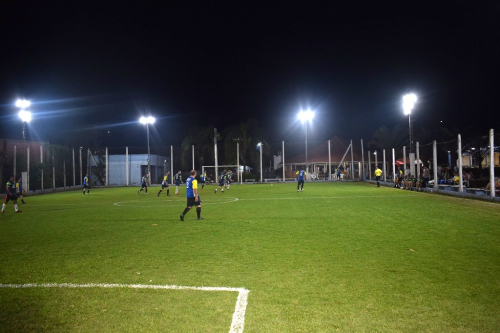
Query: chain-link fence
pixel 49 167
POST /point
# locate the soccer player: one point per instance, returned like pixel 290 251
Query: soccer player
pixel 178 181
pixel 144 185
pixel 378 173
pixel 10 195
pixel 229 178
pixel 19 190
pixel 86 184
pixel 302 176
pixel 222 180
pixel 203 179
pixel 193 199
pixel 164 184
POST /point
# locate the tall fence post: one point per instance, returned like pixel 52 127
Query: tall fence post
pixel 172 165
pixel 418 159
pixel 215 156
pixel 28 168
pixel 64 171
pixel 385 177
pixel 460 172
pixel 435 164
pixel 283 159
pixel 107 167
pixel 238 173
pixel 492 165
pixel 393 165
pixel 15 162
pixel 81 167
pixel 53 171
pixel 192 153
pixel 41 161
pixel 369 166
pixel 329 161
pixel 126 166
pixel 73 158
pixel 352 161
pixel 362 161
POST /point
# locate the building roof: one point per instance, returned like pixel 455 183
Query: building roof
pixel 319 154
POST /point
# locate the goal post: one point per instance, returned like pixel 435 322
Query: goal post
pixel 211 169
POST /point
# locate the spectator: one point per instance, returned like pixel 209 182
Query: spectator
pixel 426 175
pixel 497 185
pixel 420 183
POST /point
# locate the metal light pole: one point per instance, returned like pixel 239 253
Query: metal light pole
pixel 409 101
pixel 147 121
pixel 305 117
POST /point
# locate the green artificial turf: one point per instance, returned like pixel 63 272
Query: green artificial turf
pixel 346 257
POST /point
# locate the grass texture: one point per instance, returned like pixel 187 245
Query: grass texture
pixel 338 257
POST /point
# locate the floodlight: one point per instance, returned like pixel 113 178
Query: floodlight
pixel 409 101
pixel 147 120
pixel 25 116
pixel 306 115
pixel 22 103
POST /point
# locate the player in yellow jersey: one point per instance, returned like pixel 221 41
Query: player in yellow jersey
pixel 378 173
pixel 164 184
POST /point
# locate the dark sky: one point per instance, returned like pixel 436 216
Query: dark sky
pixel 203 63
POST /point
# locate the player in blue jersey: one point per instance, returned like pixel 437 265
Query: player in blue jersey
pixel 178 181
pixel 19 190
pixel 229 178
pixel 193 199
pixel 164 184
pixel 302 175
pixel 222 181
pixel 144 185
pixel 86 184
pixel 203 179
pixel 10 195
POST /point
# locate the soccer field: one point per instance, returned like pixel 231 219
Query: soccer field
pixel 347 257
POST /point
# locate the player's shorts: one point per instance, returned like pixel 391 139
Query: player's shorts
pixel 221 183
pixel 377 178
pixel 191 202
pixel 163 185
pixel 86 186
pixel 229 181
pixel 301 182
pixel 202 182
pixel 144 185
pixel 10 197
pixel 177 183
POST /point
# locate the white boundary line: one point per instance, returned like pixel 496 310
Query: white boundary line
pixel 172 203
pixel 237 324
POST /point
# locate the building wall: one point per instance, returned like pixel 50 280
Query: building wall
pixel 117 168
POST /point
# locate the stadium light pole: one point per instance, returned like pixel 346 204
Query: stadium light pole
pixel 305 117
pixel 409 101
pixel 147 121
pixel 24 114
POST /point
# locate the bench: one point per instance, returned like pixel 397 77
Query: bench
pixel 480 191
pixel 274 180
pixel 250 180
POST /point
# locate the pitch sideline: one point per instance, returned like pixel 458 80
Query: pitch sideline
pixel 238 321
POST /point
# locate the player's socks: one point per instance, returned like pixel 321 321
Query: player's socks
pixel 15 207
pixel 159 193
pixel 168 193
pixel 215 191
pixel 186 210
pixel 3 207
pixel 22 200
pixel 198 212
pixel 202 186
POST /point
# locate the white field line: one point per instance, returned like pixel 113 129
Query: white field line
pixel 341 197
pixel 237 324
pixel 172 203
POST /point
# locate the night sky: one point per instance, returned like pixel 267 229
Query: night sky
pixel 201 63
